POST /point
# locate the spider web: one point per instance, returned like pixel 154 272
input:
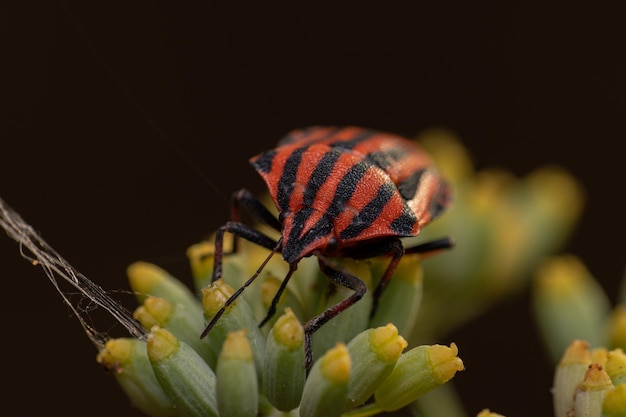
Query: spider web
pixel 34 249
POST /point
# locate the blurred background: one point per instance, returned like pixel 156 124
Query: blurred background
pixel 127 125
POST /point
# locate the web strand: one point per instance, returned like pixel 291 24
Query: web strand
pixel 34 249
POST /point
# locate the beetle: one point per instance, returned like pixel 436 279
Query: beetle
pixel 340 192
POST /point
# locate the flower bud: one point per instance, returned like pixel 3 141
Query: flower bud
pixel 283 367
pixel 374 353
pixel 617 327
pixel 237 389
pixel 269 288
pixel 568 374
pixel 237 316
pixel 569 304
pixel 147 279
pixel 201 261
pixel 183 374
pixel 417 371
pixel 590 392
pixel 127 359
pixel 351 321
pixel 405 289
pixel 615 402
pixel 200 257
pixel 177 319
pixel 326 387
pixel 616 366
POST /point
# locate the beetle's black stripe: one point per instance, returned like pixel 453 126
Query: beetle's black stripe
pixel 319 176
pixel 368 214
pixel 384 159
pixel 403 224
pixel 264 162
pixel 345 188
pixel 298 223
pixel 288 178
pixel 296 243
pixel 408 187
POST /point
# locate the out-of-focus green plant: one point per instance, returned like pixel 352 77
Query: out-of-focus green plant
pixel 503 226
pixel 585 335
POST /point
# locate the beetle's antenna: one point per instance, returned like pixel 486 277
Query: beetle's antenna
pixel 237 293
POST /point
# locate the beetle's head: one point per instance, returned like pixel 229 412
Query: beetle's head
pixel 306 231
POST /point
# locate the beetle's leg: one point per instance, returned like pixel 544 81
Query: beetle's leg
pixel 397 252
pixel 240 230
pixel 430 248
pixel 394 248
pixel 344 279
pixel 391 247
pixel 244 199
pixel 272 308
pixel 232 298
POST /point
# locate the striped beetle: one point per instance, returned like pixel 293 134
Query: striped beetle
pixel 339 191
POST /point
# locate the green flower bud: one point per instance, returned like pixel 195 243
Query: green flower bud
pixel 568 374
pixel 238 316
pixel 616 366
pixel 599 355
pixel 288 299
pixel 327 384
pixel 590 392
pixel 177 319
pixel 617 327
pixel 418 371
pixel 569 304
pixel 183 374
pixel 127 359
pixel 374 353
pixel 201 262
pixel 200 257
pixel 147 279
pixel 615 402
pixel 351 321
pixel 237 389
pixel 283 368
pixel 405 289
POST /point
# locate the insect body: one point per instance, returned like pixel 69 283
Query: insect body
pixel 345 191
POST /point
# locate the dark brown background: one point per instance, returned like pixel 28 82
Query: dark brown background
pixel 98 98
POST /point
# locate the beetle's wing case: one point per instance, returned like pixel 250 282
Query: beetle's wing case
pixel 371 184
